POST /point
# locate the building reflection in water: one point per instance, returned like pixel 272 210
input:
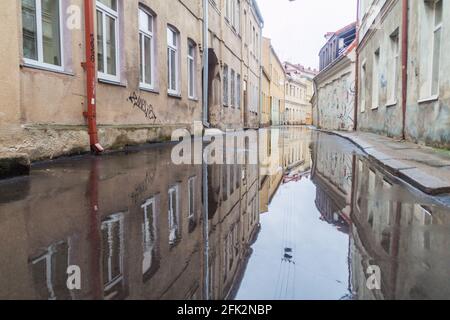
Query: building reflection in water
pixel 133 222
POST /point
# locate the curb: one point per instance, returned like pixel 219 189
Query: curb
pixel 410 179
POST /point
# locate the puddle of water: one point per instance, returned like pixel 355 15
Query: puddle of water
pixel 312 229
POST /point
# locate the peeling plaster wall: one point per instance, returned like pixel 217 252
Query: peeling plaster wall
pixel 427 116
pixel 427 122
pixel 41 111
pixel 336 95
pixel 386 117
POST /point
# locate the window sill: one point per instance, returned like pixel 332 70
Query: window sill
pixel 375 108
pixel 174 95
pixel 42 68
pixel 429 99
pixel 194 99
pixel 113 83
pixel 148 90
pixel 391 104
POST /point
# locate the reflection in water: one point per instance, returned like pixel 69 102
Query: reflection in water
pixel 307 223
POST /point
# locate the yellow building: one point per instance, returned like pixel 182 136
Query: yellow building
pixel 277 80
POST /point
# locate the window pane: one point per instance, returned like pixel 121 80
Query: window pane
pixel 171 37
pixel 168 67
pixel 150 23
pixel 173 75
pixel 143 20
pixel 141 59
pixel 29 29
pixel 148 60
pixel 109 3
pixel 436 62
pixel 438 13
pixel 191 77
pixel 111 45
pixel 50 32
pixel 100 48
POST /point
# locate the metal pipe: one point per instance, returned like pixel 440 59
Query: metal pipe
pixel 405 23
pixel 355 115
pixel 205 63
pixel 91 80
pixel 206 288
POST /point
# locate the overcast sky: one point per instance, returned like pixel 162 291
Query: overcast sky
pixel 297 28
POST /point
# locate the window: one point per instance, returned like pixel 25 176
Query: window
pixel 107 44
pixel 237 24
pixel 113 254
pixel 363 87
pixel 50 272
pixel 228 9
pixel 173 212
pixel 172 61
pixel 238 91
pixel 42 38
pixel 191 69
pixel 146 49
pixel 376 80
pixel 430 45
pixel 225 85
pixel 436 55
pixel 149 235
pixel 191 196
pixel 233 88
pixel 224 182
pixel 394 68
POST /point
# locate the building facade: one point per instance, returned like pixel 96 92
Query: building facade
pixel 148 72
pixel 403 89
pixel 277 82
pixel 298 91
pixel 335 84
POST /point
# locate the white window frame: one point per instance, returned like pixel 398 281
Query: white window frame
pixel 174 225
pixel 394 74
pixel 192 59
pixel 232 88
pixel 146 34
pixel 238 91
pixel 106 11
pixel 225 85
pixel 148 246
pixel 191 206
pixel 49 263
pixel 39 41
pixel 108 224
pixel 175 49
pixel 376 79
pixel 363 86
pixel 436 28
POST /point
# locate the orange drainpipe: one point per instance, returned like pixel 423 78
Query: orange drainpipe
pixel 405 24
pixel 91 80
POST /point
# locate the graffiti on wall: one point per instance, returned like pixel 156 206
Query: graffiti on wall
pixel 337 105
pixel 143 105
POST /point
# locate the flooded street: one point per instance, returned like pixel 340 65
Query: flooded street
pixel 326 223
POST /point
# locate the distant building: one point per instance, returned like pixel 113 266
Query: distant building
pixel 298 91
pixel 337 42
pixel 277 82
pixel 334 100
